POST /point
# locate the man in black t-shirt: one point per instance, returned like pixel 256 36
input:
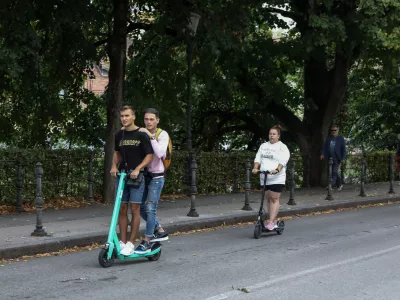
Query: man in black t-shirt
pixel 132 152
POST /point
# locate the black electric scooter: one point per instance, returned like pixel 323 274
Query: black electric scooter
pixel 262 215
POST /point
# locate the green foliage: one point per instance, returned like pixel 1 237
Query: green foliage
pixel 244 79
pixel 377 165
pixel 46 47
pixel 66 172
pixel 373 106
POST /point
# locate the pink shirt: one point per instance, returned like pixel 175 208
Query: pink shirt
pixel 160 151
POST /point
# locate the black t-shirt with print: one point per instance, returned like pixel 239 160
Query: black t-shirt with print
pixel 132 146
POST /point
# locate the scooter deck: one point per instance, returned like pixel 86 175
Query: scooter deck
pixel 135 255
pixel 275 229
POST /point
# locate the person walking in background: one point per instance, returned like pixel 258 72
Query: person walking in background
pixel 335 147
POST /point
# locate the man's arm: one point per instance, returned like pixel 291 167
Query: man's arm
pixel 116 158
pixel 115 162
pixel 144 163
pixel 148 158
pixel 148 150
pixel 160 146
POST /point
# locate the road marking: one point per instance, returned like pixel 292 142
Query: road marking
pixel 270 282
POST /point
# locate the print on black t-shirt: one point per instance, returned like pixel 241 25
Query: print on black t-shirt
pixel 134 147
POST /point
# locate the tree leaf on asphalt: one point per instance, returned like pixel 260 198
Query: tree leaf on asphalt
pixel 237 225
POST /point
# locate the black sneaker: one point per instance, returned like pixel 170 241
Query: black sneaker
pixel 159 237
pixel 143 248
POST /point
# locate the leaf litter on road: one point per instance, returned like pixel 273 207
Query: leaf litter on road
pixel 95 246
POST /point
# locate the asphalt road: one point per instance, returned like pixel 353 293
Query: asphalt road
pixel 346 255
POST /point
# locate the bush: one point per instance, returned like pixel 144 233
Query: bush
pixel 66 172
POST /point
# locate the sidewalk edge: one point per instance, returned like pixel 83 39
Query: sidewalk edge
pixel 196 224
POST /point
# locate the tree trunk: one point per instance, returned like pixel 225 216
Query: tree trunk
pixel 116 50
pixel 324 92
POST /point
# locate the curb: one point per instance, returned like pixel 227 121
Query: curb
pixel 245 216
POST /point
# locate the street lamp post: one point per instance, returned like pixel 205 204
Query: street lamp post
pixel 192 166
pixel 398 141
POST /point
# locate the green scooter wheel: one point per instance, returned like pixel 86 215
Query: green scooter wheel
pixel 155 257
pixel 103 261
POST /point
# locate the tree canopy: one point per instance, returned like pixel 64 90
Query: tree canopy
pixel 302 64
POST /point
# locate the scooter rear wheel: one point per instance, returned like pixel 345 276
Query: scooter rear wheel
pixel 103 261
pixel 155 257
pixel 257 231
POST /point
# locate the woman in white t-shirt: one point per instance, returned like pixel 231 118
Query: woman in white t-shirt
pixel 272 156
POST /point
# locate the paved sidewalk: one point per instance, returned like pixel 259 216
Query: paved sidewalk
pixel 83 226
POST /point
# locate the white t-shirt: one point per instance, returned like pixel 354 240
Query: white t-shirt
pixel 269 156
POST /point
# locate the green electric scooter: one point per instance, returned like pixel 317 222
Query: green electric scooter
pixel 111 249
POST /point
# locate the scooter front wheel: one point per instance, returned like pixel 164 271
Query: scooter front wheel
pixel 103 260
pixel 281 227
pixel 257 231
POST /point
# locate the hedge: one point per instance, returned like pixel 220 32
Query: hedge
pixel 66 172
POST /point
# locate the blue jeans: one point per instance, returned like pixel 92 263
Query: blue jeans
pixel 148 208
pixel 130 194
pixel 336 179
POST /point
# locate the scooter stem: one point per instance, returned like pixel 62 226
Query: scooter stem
pixel 117 206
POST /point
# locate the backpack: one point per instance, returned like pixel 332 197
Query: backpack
pixel 167 158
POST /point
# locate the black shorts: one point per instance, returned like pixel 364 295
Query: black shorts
pixel 277 188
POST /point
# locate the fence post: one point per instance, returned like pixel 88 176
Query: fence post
pixel 193 187
pixel 39 231
pixel 363 174
pixel 391 191
pixel 292 184
pixel 20 184
pixel 90 178
pixel 329 196
pixel 236 177
pixel 247 186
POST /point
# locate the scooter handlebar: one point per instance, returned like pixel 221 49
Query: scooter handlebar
pixel 263 172
pixel 127 173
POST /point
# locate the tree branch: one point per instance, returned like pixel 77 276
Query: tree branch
pixel 101 42
pixel 285 115
pixel 146 26
pixel 295 16
pixel 134 26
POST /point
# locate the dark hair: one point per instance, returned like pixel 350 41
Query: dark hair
pixel 277 128
pixel 334 126
pixel 126 107
pixel 152 111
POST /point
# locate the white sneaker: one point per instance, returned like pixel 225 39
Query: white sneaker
pixel 128 249
pixel 121 245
